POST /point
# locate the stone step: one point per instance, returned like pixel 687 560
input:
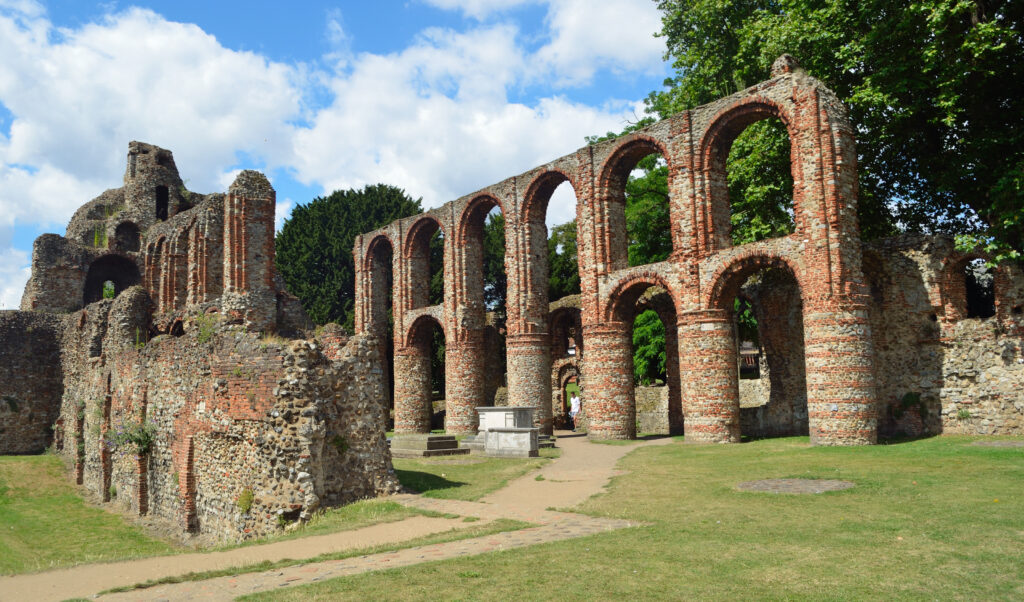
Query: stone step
pixel 424 442
pixel 427 453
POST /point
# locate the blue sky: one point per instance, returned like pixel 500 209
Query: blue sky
pixel 440 97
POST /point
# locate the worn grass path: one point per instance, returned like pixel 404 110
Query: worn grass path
pixel 582 470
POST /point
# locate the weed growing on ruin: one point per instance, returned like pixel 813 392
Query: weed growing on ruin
pixel 963 414
pixel 340 443
pixel 140 340
pixel 112 491
pixel 237 372
pixel 134 437
pixel 282 522
pixel 206 327
pixel 99 238
pixel 244 500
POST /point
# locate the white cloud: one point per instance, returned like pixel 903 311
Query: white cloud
pixel 282 210
pixel 478 9
pixel 611 34
pixel 14 273
pixel 77 101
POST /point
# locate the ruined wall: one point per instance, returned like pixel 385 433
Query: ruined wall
pixel 700 279
pixel 940 371
pixel 652 410
pixel 30 380
pixel 236 416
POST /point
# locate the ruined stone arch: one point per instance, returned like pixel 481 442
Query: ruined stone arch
pixel 474 214
pixel 416 252
pixel 119 270
pixel 413 399
pixel 127 237
pixel 953 286
pixel 539 191
pixel 377 265
pixel 560 321
pixel 726 281
pixel 469 282
pixel 624 295
pixel 715 213
pixel 610 209
pixel 420 328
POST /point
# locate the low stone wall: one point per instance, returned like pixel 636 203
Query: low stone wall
pixel 251 433
pixel 31 380
pixel 652 410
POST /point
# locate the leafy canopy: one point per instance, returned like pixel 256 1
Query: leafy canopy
pixel 935 90
pixel 314 247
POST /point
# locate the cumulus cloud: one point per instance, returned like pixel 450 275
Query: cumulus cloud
pixel 612 34
pixel 478 9
pixel 78 97
pixel 434 118
pixel 14 273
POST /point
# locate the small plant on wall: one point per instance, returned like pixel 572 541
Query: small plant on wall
pixel 134 438
pixel 244 500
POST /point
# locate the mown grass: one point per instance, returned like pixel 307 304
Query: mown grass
pixel 929 519
pixel 44 523
pixel 496 526
pixel 466 478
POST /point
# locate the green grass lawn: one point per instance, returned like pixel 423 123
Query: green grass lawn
pixel 465 477
pixel 930 519
pixel 45 524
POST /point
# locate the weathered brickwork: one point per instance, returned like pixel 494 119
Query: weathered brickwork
pixel 234 413
pixel 30 380
pixel 701 277
pixel 250 431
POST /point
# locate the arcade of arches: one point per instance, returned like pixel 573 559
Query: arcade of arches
pixel 811 282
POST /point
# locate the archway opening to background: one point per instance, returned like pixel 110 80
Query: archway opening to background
pixel 768 336
pixel 639 225
pixel 979 289
pixel 106 272
pixel 381 307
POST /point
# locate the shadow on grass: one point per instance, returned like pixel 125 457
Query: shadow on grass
pixel 422 482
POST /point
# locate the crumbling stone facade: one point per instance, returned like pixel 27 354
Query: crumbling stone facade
pixel 161 307
pixel 820 328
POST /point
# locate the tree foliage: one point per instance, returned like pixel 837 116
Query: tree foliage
pixel 935 90
pixel 649 362
pixel 563 263
pixel 495 277
pixel 314 247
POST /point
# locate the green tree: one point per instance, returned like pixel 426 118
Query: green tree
pixel 563 264
pixel 648 348
pixel 495 278
pixel 647 212
pixel 314 247
pixel 935 90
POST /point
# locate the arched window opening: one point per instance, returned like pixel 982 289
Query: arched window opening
pixel 381 305
pixel 106 272
pixel 162 203
pixel 425 251
pixel 638 229
pixel 650 313
pixel 127 237
pixel 649 236
pixel 563 259
pixel 767 315
pixel 566 333
pixel 760 181
pixel 979 286
pixel 437 267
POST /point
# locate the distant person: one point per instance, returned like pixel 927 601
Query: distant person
pixel 574 410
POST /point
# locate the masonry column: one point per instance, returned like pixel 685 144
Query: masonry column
pixel 464 382
pixel 529 376
pixel 608 382
pixel 841 395
pixel 249 252
pixel 710 377
pixel 412 390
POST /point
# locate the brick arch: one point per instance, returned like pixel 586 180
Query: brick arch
pixel 538 194
pixel 726 282
pixel 713 150
pixel 417 331
pixel 610 216
pixel 556 320
pixel 473 216
pixel 420 232
pixel 953 288
pixel 415 286
pixel 378 288
pixel 623 297
pixel 112 267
